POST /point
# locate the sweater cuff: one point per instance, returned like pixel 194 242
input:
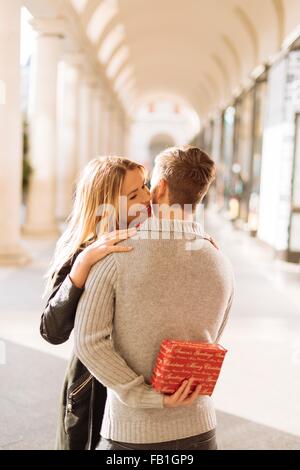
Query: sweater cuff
pixel 150 398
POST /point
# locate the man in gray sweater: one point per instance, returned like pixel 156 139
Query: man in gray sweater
pixel 173 284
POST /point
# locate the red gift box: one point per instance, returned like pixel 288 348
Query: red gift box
pixel 180 360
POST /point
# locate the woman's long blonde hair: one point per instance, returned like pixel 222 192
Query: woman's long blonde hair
pixel 100 184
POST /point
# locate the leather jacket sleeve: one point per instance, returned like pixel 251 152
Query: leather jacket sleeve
pixel 58 317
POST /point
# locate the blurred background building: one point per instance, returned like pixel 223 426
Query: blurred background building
pixel 82 78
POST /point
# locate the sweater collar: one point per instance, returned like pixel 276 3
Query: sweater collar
pixel 165 225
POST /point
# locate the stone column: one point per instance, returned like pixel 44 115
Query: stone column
pixel 127 137
pixel 122 135
pixel 68 130
pixel 98 117
pixel 11 251
pixel 114 130
pixel 86 121
pixel 40 219
pixel 118 132
pixel 106 124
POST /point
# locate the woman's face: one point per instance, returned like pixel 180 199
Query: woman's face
pixel 137 196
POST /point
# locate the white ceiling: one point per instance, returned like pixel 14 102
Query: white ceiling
pixel 200 51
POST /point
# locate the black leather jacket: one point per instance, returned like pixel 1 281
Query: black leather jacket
pixel 58 317
pixel 83 397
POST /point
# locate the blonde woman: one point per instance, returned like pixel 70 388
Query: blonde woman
pixel 88 239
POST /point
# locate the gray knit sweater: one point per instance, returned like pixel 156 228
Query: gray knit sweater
pixel 172 285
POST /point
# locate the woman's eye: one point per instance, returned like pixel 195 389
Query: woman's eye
pixel 133 197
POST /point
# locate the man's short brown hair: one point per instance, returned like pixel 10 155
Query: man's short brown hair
pixel 189 171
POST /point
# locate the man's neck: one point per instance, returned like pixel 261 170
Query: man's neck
pixel 165 212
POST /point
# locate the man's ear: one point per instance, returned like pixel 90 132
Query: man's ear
pixel 162 188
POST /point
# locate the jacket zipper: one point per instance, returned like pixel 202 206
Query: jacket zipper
pixel 76 391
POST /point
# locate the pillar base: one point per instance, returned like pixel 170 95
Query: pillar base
pixel 289 256
pixel 18 257
pixel 40 232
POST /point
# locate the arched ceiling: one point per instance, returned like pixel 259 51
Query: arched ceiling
pixel 199 50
